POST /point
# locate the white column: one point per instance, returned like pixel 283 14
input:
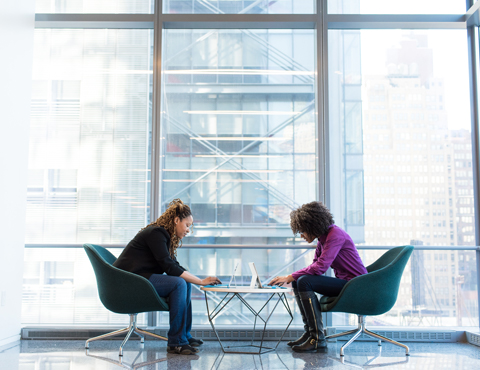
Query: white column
pixel 17 20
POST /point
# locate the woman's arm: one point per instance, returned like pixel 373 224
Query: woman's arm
pixel 190 278
pixel 334 242
pixel 280 280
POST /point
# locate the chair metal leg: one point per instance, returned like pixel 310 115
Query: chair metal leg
pixel 362 329
pixel 338 335
pixel 378 336
pixel 132 328
pixel 120 352
pixel 153 335
pixel 103 336
pixel 342 349
pixel 142 338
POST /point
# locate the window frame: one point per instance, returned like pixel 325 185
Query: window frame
pixel 321 22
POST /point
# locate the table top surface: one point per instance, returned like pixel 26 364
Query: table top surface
pixel 245 289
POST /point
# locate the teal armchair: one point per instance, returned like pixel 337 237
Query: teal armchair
pixel 372 294
pixel 123 292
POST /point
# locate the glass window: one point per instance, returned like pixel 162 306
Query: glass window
pixel 239 7
pixel 396 7
pixel 93 6
pixel 89 166
pixel 239 128
pixel 438 288
pixel 239 145
pixel 89 136
pixel 59 287
pixel 410 170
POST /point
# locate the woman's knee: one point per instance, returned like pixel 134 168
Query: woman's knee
pixel 180 284
pixel 303 283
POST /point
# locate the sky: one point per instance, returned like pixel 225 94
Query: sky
pixel 450 62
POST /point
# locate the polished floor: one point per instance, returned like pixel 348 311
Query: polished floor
pixel 71 355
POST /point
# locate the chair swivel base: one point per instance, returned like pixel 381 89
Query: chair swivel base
pixel 362 329
pixel 132 329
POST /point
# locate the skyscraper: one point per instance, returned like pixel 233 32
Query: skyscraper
pixel 418 186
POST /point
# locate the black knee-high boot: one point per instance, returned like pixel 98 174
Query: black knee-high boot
pixel 305 335
pixel 316 340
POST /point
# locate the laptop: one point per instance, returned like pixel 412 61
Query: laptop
pixel 255 283
pixel 229 285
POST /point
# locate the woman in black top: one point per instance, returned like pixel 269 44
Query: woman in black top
pixel 152 254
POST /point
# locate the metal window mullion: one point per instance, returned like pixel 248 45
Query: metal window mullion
pixel 334 21
pixel 473 54
pixel 239 21
pixel 136 21
pixel 396 21
pixel 256 21
pixel 321 101
pixel 321 71
pixel 266 246
pixel 156 174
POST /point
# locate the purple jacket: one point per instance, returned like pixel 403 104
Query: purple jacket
pixel 337 250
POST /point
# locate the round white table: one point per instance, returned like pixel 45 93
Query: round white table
pixel 241 293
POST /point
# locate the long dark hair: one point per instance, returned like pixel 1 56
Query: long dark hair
pixel 313 218
pixel 176 208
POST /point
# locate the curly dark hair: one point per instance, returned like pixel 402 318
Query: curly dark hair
pixel 313 218
pixel 176 208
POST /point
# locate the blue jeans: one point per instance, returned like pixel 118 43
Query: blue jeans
pixel 321 284
pixel 178 292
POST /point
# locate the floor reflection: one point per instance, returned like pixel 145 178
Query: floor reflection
pixel 256 360
pixel 71 355
pixel 311 361
pixel 133 365
pixel 376 360
pixel 148 359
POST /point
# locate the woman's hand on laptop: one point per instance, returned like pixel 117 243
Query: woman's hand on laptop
pixel 280 280
pixel 210 280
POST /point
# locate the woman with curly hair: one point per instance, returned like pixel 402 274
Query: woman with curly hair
pixel 335 249
pixel 152 253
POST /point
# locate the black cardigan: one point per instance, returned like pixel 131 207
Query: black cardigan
pixel 148 253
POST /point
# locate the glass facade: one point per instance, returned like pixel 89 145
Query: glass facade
pixel 406 111
pixel 59 288
pixel 94 6
pixel 239 131
pixel 242 140
pixel 397 7
pixel 89 165
pixel 239 7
